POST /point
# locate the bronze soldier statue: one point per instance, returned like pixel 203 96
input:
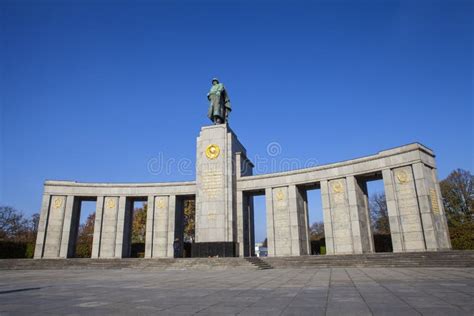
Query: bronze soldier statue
pixel 219 107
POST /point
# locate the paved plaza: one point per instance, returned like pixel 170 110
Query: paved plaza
pixel 325 291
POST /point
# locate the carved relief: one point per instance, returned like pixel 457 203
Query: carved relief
pixel 160 203
pixel 402 176
pixel 212 151
pixel 280 195
pixel 337 187
pixel 57 202
pixel 110 203
pixel 212 216
pixel 281 201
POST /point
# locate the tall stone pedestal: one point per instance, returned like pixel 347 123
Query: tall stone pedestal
pixel 218 163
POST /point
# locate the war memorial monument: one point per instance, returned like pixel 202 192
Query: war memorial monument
pixel 224 190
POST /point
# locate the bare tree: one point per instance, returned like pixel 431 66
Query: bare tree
pixel 34 223
pixel 317 231
pixel 458 196
pixel 13 224
pixel 379 214
pixel 458 200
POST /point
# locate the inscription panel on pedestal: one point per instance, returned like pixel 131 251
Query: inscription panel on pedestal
pixel 434 201
pixel 212 183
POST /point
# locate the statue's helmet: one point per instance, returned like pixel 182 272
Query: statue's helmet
pixel 215 79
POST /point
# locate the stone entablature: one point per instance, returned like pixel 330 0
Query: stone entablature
pixel 224 205
pixel 128 189
pixel 392 158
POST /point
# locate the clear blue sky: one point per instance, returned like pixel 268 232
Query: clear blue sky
pixel 92 90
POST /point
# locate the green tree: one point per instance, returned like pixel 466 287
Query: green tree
pixel 189 220
pixel 85 237
pixel 458 201
pixel 139 224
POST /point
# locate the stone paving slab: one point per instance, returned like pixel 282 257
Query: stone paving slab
pixel 323 291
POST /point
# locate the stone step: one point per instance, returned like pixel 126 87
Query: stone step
pixel 418 259
pixel 192 263
pixel 424 259
pixel 259 263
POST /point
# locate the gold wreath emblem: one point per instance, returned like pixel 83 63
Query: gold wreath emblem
pixel 402 176
pixel 337 187
pixel 160 203
pixel 57 202
pixel 110 203
pixel 280 195
pixel 212 151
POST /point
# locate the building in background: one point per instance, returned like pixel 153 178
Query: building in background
pixel 260 250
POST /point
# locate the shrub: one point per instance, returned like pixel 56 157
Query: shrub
pixel 12 249
pixel 30 250
pixel 83 250
pixel 323 250
pixel 462 236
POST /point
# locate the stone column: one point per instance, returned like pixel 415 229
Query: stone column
pixel 241 223
pixel 298 221
pixel 244 209
pixel 282 222
pixel 433 218
pixel 245 224
pixel 359 213
pixel 109 227
pixel 150 218
pixel 250 232
pixel 327 217
pixel 171 225
pixel 121 216
pixel 306 231
pixel 340 217
pixel 396 231
pixel 54 228
pixel 99 212
pixel 270 222
pixel 286 222
pixel 406 205
pixel 42 225
pixel 70 226
pixel 161 233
